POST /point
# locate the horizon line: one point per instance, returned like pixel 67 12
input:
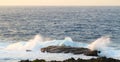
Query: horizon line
pixel 61 5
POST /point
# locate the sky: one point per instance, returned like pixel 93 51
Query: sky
pixel 59 2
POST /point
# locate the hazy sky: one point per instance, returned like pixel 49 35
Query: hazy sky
pixel 60 2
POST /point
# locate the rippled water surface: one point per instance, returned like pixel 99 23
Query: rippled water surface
pixel 83 24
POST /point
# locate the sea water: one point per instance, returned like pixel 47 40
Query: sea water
pixel 31 28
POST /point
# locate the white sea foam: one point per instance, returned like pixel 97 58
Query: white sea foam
pixel 18 50
pixel 37 43
pixel 100 43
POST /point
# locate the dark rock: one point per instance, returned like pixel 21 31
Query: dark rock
pixel 28 50
pixel 92 53
pixel 37 60
pixel 100 59
pixel 74 50
pixel 25 61
pixel 70 60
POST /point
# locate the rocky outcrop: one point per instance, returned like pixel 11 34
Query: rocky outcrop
pixel 101 59
pixel 74 50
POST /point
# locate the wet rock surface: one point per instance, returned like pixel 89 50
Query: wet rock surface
pixel 101 59
pixel 74 50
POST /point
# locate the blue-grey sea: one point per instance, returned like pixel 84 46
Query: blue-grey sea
pixel 81 23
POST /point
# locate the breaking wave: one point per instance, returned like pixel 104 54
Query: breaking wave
pixel 18 50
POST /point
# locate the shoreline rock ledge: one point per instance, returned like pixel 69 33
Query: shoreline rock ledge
pixel 74 50
pixel 100 59
pixel 66 49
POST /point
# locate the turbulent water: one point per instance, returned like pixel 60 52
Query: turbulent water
pixel 18 25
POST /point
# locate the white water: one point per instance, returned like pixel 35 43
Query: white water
pixel 17 51
pixel 100 44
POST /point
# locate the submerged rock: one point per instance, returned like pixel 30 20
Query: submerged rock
pixel 65 49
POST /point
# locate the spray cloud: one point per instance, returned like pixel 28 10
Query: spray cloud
pixel 100 43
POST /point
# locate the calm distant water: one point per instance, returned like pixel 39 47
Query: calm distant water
pixel 82 24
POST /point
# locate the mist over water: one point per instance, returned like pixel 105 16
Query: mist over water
pixel 80 26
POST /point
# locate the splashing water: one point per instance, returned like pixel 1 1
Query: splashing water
pixel 18 50
pixel 31 44
pixel 100 43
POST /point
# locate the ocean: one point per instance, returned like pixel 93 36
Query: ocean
pixel 82 24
